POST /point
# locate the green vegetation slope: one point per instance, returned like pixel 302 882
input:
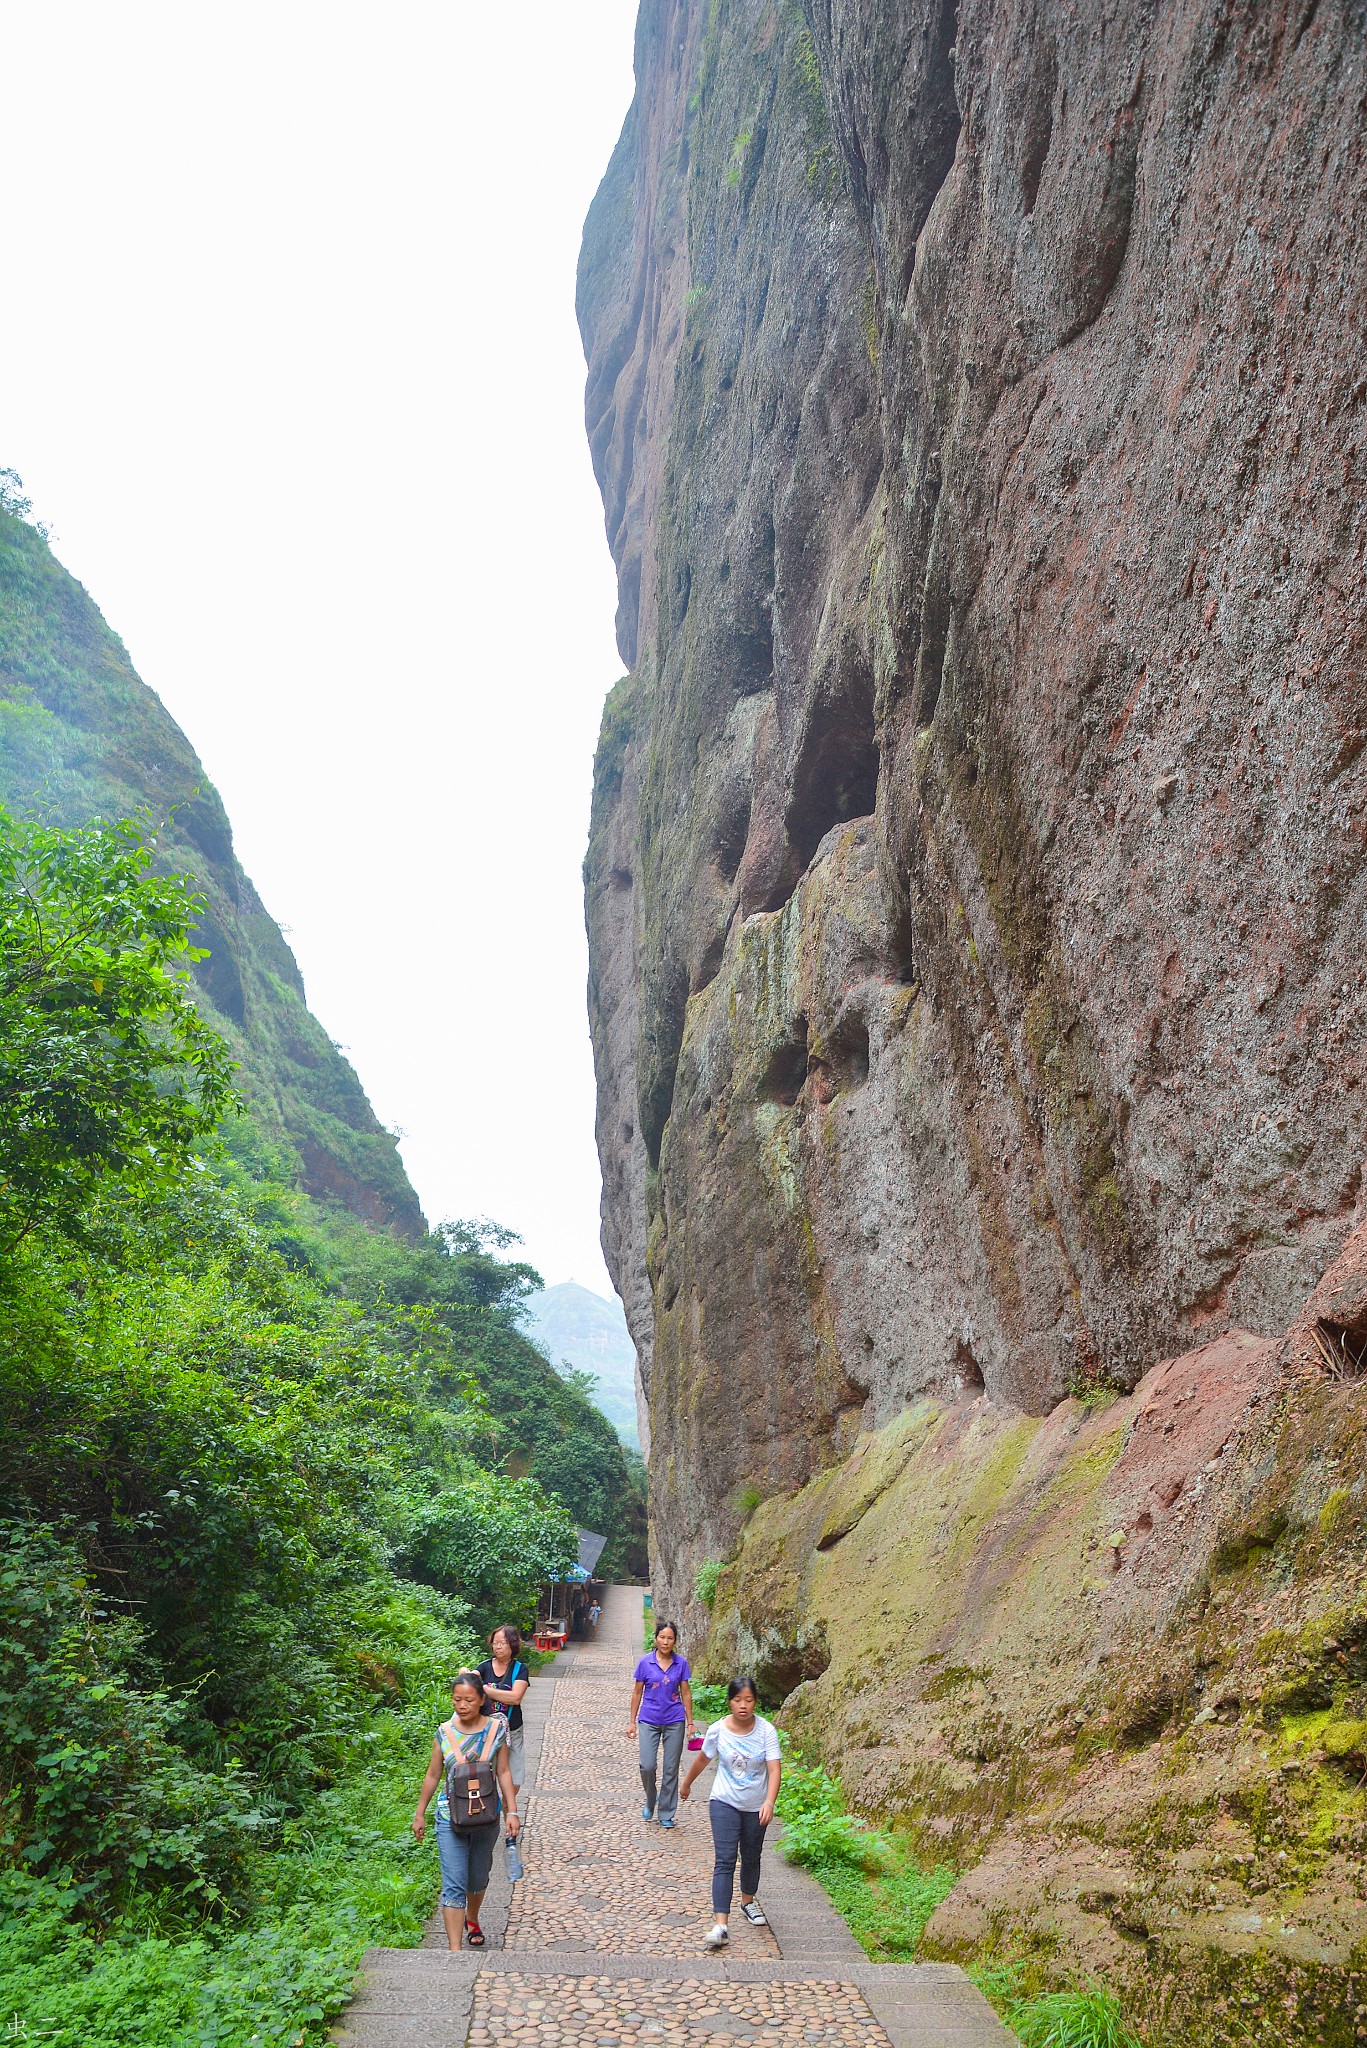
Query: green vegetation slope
pixel 273 1456
pixel 81 737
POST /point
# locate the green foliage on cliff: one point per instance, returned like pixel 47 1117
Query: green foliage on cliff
pixel 340 1876
pixel 255 1504
pixel 706 1578
pixel 621 714
pixel 543 1424
pixel 269 1472
pixel 83 738
pixel 106 1065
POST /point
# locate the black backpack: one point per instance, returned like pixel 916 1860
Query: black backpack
pixel 472 1786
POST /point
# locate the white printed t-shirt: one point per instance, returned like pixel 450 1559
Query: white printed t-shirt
pixel 742 1763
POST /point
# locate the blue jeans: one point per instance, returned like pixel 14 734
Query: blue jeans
pixel 467 1860
pixel 651 1740
pixel 734 1831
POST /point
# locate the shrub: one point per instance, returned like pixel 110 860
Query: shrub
pixel 96 1788
pixel 106 1066
pixel 1087 2018
pixel 493 1540
pixel 705 1579
pixel 709 1701
pixel 817 1827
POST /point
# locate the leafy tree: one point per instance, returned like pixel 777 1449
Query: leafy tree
pixel 116 1793
pixel 575 1468
pixel 106 1066
pixel 245 1450
pixel 14 501
pixel 543 1423
pixel 494 1540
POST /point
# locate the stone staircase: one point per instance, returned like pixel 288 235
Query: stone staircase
pixel 601 1944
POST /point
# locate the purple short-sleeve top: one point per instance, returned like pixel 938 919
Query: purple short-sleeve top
pixel 661 1706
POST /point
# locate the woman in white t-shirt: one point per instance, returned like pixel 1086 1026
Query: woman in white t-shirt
pixel 749 1766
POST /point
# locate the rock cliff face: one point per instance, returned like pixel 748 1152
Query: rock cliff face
pixel 81 736
pixel 976 892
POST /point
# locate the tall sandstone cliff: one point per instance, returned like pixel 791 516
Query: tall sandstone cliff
pixel 976 899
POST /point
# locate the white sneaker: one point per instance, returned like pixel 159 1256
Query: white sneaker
pixel 751 1910
pixel 716 1937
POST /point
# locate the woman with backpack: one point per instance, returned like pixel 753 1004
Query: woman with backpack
pixel 470 1762
pixel 506 1679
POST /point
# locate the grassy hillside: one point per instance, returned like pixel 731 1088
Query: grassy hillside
pixel 81 737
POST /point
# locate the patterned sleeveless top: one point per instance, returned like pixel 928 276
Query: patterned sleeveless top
pixel 454 1743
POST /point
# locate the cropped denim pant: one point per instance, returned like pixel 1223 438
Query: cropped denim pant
pixel 651 1741
pixel 467 1861
pixel 732 1832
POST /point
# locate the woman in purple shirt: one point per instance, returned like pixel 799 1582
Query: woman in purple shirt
pixel 661 1715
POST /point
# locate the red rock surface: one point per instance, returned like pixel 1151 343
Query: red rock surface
pixel 976 889
pixel 980 413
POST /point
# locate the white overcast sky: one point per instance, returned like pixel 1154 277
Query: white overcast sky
pixel 291 369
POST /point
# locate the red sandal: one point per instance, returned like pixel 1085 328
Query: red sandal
pixel 474 1934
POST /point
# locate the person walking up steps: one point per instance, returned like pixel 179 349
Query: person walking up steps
pixel 749 1767
pixel 470 1762
pixel 506 1679
pixel 661 1716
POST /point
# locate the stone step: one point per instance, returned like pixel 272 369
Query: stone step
pixel 422 1997
pixel 385 1963
pixel 419 1999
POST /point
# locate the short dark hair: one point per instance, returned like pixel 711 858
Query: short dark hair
pixel 513 1634
pixel 660 1628
pixel 742 1682
pixel 469 1678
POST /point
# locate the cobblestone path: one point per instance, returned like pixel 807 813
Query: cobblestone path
pixel 610 2011
pixel 601 1879
pixel 601 1944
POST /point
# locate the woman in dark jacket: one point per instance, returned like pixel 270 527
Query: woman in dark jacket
pixel 506 1679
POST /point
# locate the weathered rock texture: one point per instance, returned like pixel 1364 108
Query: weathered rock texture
pixel 976 886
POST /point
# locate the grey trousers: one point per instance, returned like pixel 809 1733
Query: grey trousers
pixel 651 1740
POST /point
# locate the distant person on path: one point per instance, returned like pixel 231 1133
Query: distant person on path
pixel 661 1716
pixel 470 1763
pixel 749 1766
pixel 594 1612
pixel 506 1679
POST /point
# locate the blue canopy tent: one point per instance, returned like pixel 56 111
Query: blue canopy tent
pixel 558 1615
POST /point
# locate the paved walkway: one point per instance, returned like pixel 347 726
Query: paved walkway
pixel 601 1944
